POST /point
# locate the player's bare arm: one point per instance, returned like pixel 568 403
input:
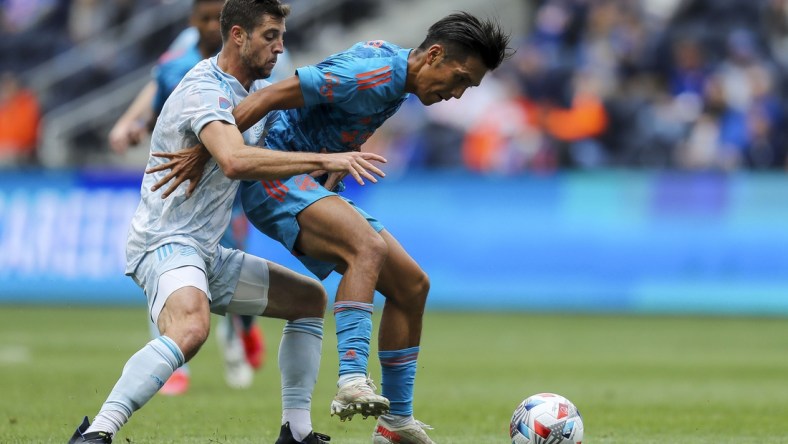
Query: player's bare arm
pixel 281 95
pixel 189 163
pixel 239 161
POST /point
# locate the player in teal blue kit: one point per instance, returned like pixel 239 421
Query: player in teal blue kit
pixel 335 106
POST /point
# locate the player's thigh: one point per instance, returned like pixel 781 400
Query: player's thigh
pixel 401 279
pixel 184 313
pixel 292 295
pixel 332 230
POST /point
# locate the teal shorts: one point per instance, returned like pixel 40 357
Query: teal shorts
pixel 272 207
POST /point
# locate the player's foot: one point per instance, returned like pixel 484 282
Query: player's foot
pixel 237 372
pixel 411 433
pixel 286 437
pixel 93 437
pixel 358 397
pixel 254 346
pixel 178 383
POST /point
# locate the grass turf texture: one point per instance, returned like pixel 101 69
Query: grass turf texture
pixel 636 380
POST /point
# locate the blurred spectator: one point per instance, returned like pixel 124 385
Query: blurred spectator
pixel 19 120
pixel 30 32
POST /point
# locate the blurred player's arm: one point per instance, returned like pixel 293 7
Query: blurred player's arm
pixel 239 161
pixel 133 124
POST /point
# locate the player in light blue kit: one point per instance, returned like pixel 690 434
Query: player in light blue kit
pixel 173 249
pixel 335 106
pixel 240 339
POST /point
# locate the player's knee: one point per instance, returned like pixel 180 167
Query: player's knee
pixel 190 333
pixel 315 300
pixel 420 288
pixel 371 251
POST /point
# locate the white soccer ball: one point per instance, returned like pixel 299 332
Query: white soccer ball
pixel 546 418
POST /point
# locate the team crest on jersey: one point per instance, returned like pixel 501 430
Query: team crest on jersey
pixel 224 103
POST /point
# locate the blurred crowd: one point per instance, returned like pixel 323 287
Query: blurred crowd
pixel 685 84
pixel 682 84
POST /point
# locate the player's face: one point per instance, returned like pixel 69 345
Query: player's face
pixel 445 78
pixel 205 17
pixel 262 46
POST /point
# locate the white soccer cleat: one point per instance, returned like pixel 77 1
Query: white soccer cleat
pixel 237 372
pixel 411 433
pixel 358 397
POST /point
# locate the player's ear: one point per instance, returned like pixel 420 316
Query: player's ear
pixel 237 35
pixel 435 53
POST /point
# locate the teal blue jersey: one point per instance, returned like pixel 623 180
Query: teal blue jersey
pixel 347 97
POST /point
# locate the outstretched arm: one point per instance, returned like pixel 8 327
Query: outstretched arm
pixel 239 161
pixel 281 95
pixel 189 163
pixel 131 126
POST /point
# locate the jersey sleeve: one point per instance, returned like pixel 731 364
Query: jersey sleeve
pixel 353 84
pixel 205 101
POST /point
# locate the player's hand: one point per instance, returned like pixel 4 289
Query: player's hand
pixel 355 163
pixel 186 164
pixel 125 134
pixel 333 180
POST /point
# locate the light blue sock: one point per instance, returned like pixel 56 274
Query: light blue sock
pixel 354 330
pixel 154 333
pixel 398 368
pixel 143 375
pixel 299 361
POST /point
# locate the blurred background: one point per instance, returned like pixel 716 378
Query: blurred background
pixel 630 156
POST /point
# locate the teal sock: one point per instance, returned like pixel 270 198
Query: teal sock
pixel 354 331
pixel 143 375
pixel 398 377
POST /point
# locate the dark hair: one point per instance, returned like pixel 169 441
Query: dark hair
pixel 462 34
pixel 248 14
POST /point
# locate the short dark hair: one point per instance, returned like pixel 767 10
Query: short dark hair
pixel 462 34
pixel 248 13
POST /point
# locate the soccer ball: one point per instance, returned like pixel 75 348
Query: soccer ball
pixel 546 418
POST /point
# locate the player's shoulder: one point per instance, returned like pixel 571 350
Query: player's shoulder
pixel 364 57
pixel 179 58
pixel 372 49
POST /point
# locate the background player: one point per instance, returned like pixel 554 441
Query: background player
pixel 335 106
pixel 173 250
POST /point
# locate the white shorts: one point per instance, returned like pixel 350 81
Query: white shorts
pixel 234 281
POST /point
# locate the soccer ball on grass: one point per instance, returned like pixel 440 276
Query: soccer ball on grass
pixel 546 418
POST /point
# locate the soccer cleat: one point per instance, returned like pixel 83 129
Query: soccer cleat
pixel 93 437
pixel 254 346
pixel 358 397
pixel 237 372
pixel 178 383
pixel 286 437
pixel 411 433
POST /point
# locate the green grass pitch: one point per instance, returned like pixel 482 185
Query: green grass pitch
pixel 635 379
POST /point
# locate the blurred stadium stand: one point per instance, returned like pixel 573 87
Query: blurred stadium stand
pixel 639 146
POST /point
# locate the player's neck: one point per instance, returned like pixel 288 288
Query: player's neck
pixel 416 60
pixel 231 64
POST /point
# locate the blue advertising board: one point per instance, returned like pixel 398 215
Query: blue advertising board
pixel 602 241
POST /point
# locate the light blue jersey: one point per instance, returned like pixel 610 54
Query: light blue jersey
pixel 206 94
pixel 347 97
